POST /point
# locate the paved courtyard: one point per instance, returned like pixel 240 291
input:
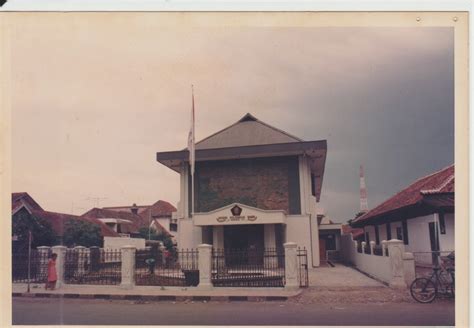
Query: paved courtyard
pixel 344 285
pixel 340 276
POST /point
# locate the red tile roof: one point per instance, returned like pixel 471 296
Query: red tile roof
pixel 58 220
pixel 23 198
pixel 160 209
pixel 136 220
pixel 356 232
pixel 436 183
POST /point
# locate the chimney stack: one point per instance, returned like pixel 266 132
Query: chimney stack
pixel 134 208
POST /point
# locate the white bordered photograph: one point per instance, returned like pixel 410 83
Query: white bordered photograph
pixel 236 168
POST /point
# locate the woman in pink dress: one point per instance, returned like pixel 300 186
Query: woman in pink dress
pixel 52 275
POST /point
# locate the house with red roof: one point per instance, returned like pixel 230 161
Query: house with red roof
pixel 24 204
pixel 422 215
pixel 127 220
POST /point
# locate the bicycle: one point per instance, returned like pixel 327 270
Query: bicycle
pixel 441 281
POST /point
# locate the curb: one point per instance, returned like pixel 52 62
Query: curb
pixel 155 298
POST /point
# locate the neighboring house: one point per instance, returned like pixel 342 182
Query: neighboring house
pixel 24 204
pixel 357 233
pixel 329 239
pixel 255 186
pixel 127 220
pixel 422 215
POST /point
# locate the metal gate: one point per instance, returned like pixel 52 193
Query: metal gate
pixel 248 267
pixel 302 256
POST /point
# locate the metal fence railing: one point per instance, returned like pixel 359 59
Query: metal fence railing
pixel 248 267
pixel 426 261
pixel 94 266
pixel 38 266
pixel 154 267
pixel 302 257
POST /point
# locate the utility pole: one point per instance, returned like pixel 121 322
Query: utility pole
pixel 29 259
pixel 364 206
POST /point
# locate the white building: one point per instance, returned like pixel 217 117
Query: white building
pixel 255 186
pixel 422 215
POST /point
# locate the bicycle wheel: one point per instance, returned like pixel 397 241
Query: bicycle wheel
pixel 423 290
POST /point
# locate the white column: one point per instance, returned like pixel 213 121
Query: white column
pixel 384 247
pixel 396 250
pixel 363 246
pixel 372 245
pixel 218 237
pixel 43 256
pixel 81 259
pixel 60 262
pixel 205 266
pixel 128 267
pixel 270 245
pixel 291 265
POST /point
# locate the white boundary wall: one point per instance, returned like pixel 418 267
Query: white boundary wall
pixel 119 242
pixel 397 269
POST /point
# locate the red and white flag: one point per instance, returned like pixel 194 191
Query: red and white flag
pixel 191 147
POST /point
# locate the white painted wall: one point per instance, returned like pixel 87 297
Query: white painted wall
pixel 298 231
pixel 185 233
pixel 119 242
pixel 379 267
pixel 419 234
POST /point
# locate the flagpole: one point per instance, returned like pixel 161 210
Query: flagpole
pixel 193 153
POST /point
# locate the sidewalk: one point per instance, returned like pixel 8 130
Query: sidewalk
pixel 156 293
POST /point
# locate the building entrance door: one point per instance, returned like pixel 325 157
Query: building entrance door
pixel 246 242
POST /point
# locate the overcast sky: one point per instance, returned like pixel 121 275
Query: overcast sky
pixel 93 103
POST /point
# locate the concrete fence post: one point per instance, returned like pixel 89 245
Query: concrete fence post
pixel 396 250
pixel 384 247
pixel 128 267
pixel 372 245
pixel 81 259
pixel 43 252
pixel 291 263
pixel 409 268
pixel 205 266
pixel 363 246
pixel 60 264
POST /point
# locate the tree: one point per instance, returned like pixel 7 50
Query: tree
pixel 41 231
pixel 81 233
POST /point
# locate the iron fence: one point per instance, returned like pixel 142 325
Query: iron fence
pixel 426 261
pixel 154 267
pixel 302 256
pixel 248 267
pixel 93 266
pixel 38 266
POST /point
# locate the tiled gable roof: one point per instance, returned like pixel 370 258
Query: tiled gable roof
pixel 435 183
pixel 136 220
pixel 20 199
pixel 160 209
pixel 58 221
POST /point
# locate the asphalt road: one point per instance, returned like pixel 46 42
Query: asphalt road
pixel 32 311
